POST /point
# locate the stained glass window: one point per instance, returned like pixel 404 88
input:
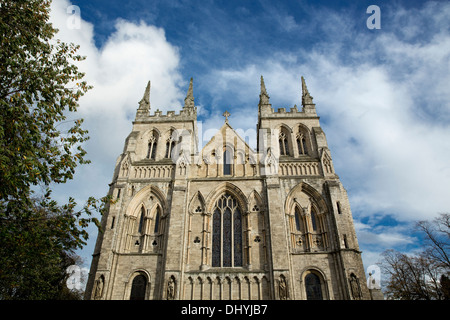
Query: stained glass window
pixel 217 235
pixel 237 238
pixel 227 233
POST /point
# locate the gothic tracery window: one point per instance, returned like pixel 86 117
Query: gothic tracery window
pixel 284 145
pixel 308 229
pixel 170 144
pixel 152 145
pixel 227 233
pixel 301 144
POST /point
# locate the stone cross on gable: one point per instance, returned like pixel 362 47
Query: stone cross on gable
pixel 226 114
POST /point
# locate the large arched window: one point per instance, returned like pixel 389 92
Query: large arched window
pixel 138 288
pixel 227 233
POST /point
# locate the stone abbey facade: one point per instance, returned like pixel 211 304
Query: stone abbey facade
pixel 226 221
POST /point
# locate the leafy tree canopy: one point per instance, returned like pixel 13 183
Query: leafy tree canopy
pixel 40 87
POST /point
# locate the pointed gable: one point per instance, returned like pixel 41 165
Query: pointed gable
pixel 226 138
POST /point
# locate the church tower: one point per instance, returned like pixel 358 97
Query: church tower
pixel 227 222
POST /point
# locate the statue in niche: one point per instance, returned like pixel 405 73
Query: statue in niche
pixel 171 289
pixel 283 288
pixel 99 288
pixel 355 287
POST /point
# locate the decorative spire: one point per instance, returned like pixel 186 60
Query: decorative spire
pixel 189 100
pixel 263 96
pixel 144 104
pixel 306 97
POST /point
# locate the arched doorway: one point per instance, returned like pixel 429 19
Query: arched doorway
pixel 313 287
pixel 138 288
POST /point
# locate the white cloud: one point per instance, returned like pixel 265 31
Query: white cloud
pixel 383 236
pixel 119 71
pixel 384 103
pixel 385 112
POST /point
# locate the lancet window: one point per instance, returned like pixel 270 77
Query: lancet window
pixel 152 145
pixel 301 144
pixel 170 144
pixel 284 144
pixel 157 218
pixel 297 219
pixel 226 163
pixel 141 220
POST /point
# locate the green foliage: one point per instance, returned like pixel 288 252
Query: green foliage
pixel 40 86
pixel 37 247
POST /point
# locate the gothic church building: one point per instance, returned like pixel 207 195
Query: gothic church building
pixel 226 221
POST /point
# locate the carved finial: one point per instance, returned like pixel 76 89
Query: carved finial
pixel 189 100
pixel 144 104
pixel 226 114
pixel 263 96
pixel 306 97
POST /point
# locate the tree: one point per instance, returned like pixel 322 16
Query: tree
pixel 411 277
pixel 40 86
pixel 437 239
pixel 424 276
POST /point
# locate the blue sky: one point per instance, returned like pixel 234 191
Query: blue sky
pixel 382 94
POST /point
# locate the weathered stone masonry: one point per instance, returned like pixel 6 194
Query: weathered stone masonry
pixel 227 221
